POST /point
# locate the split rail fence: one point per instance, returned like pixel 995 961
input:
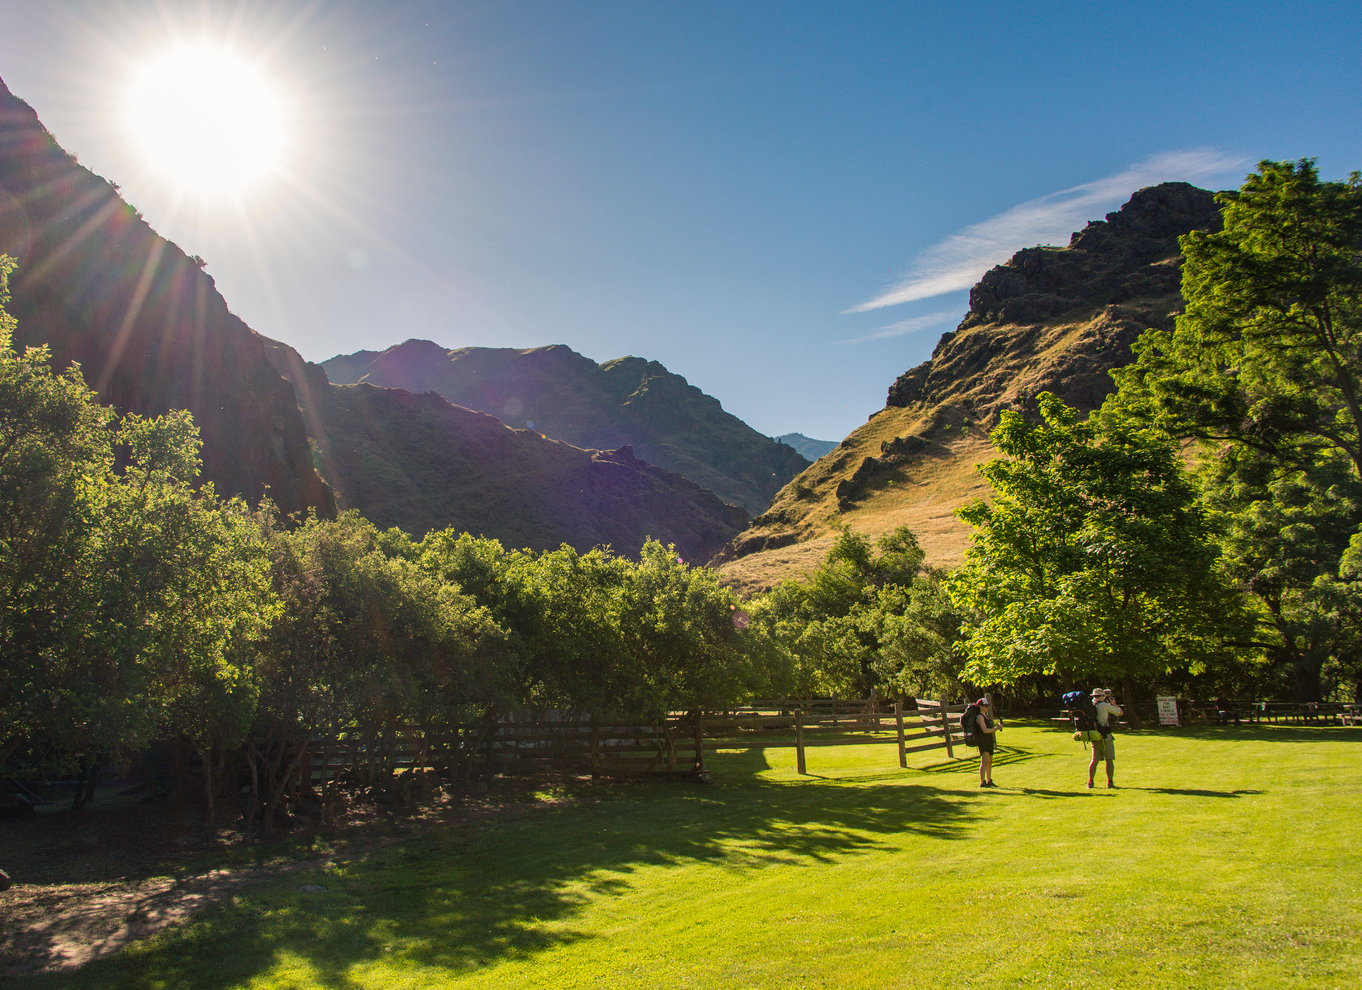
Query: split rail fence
pixel 675 745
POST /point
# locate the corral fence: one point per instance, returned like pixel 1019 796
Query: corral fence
pixel 1271 712
pixel 675 745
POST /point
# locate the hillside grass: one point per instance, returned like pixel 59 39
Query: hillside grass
pixel 923 496
pixel 1226 859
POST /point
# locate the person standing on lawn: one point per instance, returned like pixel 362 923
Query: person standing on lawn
pixel 1103 742
pixel 985 729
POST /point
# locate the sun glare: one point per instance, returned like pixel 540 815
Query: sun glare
pixel 206 119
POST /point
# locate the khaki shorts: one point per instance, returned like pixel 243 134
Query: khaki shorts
pixel 1103 747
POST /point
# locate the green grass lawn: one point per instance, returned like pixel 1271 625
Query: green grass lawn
pixel 1226 858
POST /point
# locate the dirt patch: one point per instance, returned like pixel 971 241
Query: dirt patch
pixel 86 884
pixel 68 925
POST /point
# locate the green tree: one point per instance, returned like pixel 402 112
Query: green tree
pixel 124 592
pixel 1268 351
pixel 870 619
pixel 1092 560
pixel 679 629
pixel 1264 370
pixel 369 645
pixel 54 453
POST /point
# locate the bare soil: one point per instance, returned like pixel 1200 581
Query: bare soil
pixel 87 883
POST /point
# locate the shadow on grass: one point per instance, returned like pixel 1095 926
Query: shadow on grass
pixel 1194 792
pixel 1003 756
pixel 467 896
pixel 1260 732
pixel 1271 733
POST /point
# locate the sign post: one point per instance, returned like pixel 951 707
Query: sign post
pixel 1168 711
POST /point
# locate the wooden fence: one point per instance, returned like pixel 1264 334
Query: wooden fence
pixel 675 745
pixel 1272 712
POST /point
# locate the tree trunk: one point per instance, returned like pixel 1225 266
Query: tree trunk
pixel 1128 694
pixel 85 785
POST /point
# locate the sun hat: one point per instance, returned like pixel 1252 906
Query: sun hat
pixel 1099 692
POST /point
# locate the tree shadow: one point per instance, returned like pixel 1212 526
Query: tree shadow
pixel 1195 792
pixel 464 896
pixel 1260 732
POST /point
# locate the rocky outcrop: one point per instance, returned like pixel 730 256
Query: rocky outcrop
pixel 559 393
pixel 1118 277
pixel 1109 261
pixel 146 323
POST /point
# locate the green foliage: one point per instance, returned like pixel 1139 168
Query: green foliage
pixel 1267 353
pixel 128 600
pixel 1264 368
pixel 871 619
pixel 1093 559
pixel 598 634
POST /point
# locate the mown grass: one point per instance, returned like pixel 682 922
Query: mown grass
pixel 1227 858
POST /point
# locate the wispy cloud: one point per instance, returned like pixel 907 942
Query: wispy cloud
pixel 958 261
pixel 913 325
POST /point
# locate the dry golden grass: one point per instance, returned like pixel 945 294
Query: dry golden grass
pixel 923 496
pixel 991 368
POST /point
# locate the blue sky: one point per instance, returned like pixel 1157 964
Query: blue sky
pixel 785 202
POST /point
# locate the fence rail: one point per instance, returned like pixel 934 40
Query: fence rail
pixel 1273 712
pixel 630 747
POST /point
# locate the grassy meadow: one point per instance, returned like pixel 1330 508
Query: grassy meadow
pixel 1226 858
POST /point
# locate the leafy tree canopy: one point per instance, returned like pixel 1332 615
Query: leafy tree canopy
pixel 1092 560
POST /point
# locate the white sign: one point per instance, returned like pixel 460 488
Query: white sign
pixel 1168 711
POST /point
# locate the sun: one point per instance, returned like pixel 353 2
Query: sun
pixel 206 119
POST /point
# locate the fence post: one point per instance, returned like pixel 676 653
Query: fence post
pixel 799 740
pixel 946 730
pixel 898 717
pixel 595 746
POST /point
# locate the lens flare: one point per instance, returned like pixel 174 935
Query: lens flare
pixel 206 118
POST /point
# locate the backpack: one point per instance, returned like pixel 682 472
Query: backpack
pixel 1082 712
pixel 969 726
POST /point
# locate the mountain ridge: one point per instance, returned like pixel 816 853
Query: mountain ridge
pixel 628 401
pixel 419 462
pixel 147 325
pixel 809 448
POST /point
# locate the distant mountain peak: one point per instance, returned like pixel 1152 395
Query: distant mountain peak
pixel 625 402
pixel 808 448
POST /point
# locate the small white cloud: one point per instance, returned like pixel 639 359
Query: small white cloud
pixel 907 326
pixel 958 262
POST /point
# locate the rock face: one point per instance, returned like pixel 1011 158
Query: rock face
pixel 1050 319
pixel 146 323
pixel 418 462
pixel 1121 274
pixel 561 394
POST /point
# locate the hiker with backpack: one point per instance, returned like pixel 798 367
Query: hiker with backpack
pixel 1105 713
pixel 1092 718
pixel 980 729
